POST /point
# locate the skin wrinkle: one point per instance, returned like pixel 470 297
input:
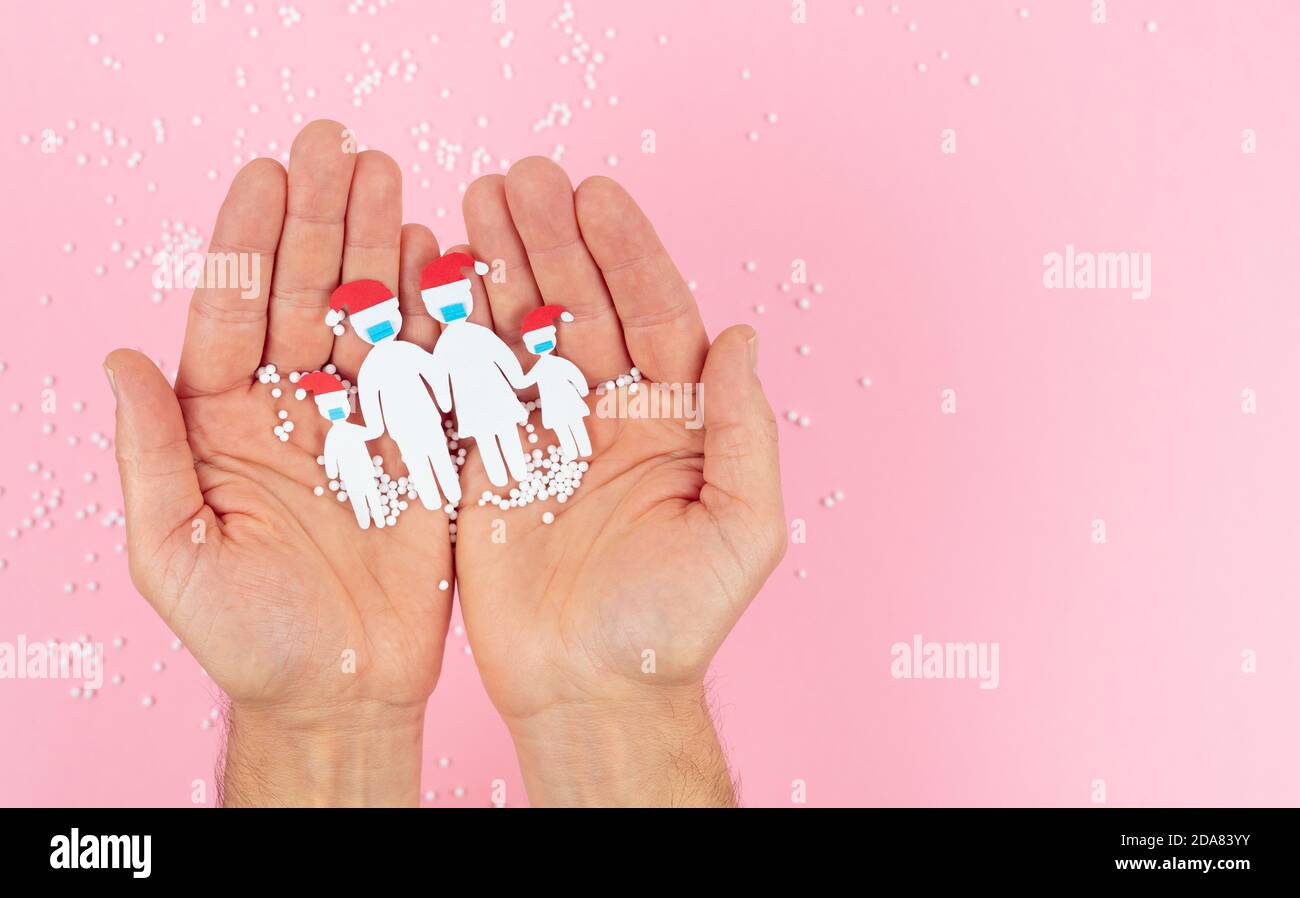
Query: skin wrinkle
pixel 565 244
pixel 635 261
pixel 301 298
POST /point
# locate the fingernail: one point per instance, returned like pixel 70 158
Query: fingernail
pixel 753 351
pixel 112 381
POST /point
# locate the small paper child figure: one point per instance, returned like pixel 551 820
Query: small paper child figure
pixel 560 383
pixel 474 369
pixel 391 389
pixel 347 458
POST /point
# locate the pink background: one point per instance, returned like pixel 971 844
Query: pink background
pixel 1119 662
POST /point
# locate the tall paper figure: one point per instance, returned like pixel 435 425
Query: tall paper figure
pixel 392 391
pixel 346 457
pixel 474 369
pixel 560 383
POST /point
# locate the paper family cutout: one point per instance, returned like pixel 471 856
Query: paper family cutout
pixel 471 370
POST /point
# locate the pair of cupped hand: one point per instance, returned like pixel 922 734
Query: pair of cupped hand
pixel 592 635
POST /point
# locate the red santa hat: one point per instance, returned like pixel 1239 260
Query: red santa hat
pixel 543 318
pixel 320 383
pixel 356 297
pixel 445 276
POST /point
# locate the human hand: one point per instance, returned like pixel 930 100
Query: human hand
pixel 269 586
pixel 594 634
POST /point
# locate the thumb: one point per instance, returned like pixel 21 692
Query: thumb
pixel 741 463
pixel 159 485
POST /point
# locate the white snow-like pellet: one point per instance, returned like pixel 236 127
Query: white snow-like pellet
pixel 548 517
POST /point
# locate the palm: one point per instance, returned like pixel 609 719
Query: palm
pixel 277 591
pixel 645 569
pixel 300 583
pixel 630 565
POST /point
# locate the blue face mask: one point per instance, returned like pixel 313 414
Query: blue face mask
pixel 542 347
pixel 337 414
pixel 453 312
pixel 380 331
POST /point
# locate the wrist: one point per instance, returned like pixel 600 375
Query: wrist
pixel 657 748
pixel 360 755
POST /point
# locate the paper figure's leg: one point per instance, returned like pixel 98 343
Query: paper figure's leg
pixel 445 472
pixel 492 463
pixel 568 445
pixel 417 466
pixel 581 437
pixel 513 451
pixel 376 507
pixel 358 500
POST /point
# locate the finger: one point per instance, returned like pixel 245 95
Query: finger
pixel 482 311
pixel 371 243
pixel 419 248
pixel 742 488
pixel 661 322
pixel 226 329
pixel 541 203
pixel 511 290
pixel 311 247
pixel 159 484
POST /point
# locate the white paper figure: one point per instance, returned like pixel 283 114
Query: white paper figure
pixel 391 387
pixel 560 383
pixel 347 458
pixel 474 369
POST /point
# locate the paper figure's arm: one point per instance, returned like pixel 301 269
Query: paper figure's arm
pixel 439 379
pixel 529 378
pixel 331 459
pixel 371 411
pixel 576 378
pixel 505 359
